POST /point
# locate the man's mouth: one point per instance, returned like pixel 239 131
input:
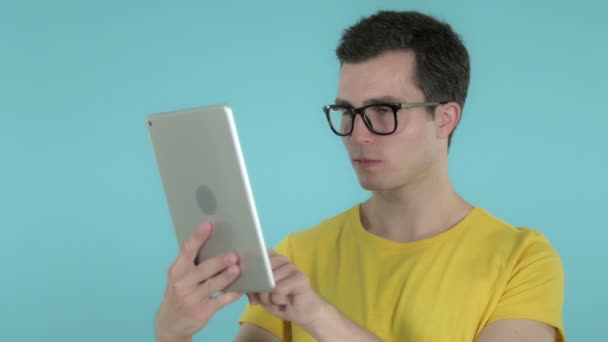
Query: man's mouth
pixel 365 162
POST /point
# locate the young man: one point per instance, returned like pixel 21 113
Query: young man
pixel 415 262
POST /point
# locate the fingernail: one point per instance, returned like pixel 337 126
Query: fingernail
pixel 230 257
pixel 233 269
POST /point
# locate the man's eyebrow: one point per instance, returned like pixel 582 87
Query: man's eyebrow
pixel 342 102
pixel 383 99
pixel 374 100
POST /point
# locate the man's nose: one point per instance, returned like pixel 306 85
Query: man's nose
pixel 361 134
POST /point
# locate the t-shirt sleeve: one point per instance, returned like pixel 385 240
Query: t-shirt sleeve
pixel 261 318
pixel 535 289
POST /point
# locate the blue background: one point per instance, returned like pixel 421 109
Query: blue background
pixel 86 235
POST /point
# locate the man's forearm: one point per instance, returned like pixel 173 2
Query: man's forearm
pixel 179 340
pixel 333 326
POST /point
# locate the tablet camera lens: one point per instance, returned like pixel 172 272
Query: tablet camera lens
pixel 206 200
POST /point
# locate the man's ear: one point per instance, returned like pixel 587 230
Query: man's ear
pixel 447 117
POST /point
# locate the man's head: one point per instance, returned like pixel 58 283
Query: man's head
pixel 402 57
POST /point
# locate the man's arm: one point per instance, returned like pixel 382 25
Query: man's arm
pixel 294 300
pixel 331 325
pixel 252 333
pixel 517 330
pixel 336 327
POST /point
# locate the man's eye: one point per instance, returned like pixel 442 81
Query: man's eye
pixel 381 110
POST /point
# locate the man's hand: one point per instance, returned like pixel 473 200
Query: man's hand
pixel 189 303
pixel 293 299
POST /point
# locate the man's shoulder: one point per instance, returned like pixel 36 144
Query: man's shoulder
pixel 504 235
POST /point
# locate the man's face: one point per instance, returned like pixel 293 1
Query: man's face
pixel 388 162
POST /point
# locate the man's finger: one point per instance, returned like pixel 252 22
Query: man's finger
pixel 193 245
pixel 224 299
pixel 285 287
pixel 275 310
pixel 264 298
pixel 217 283
pixel 251 298
pixel 284 271
pixel 279 298
pixel 208 268
pixel 294 284
pixel 277 261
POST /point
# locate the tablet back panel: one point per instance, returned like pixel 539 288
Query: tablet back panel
pixel 205 178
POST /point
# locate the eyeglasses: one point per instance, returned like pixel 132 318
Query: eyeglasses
pixel 379 118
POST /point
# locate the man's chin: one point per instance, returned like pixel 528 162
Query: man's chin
pixel 370 185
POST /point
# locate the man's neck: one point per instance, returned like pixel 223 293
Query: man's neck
pixel 414 212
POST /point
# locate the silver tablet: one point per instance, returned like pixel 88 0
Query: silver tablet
pixel 204 177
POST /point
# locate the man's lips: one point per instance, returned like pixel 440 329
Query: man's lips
pixel 365 162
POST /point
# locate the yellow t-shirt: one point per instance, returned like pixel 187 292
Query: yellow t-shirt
pixel 444 288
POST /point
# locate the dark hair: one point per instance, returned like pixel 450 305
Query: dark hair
pixel 442 68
